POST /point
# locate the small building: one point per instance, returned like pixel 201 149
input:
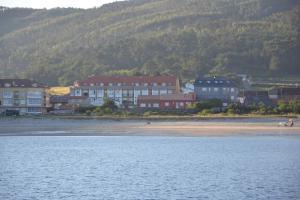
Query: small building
pixel 167 101
pixel 216 88
pixel 58 102
pixel 123 90
pixel 78 101
pixel 188 88
pixel 254 97
pixel 22 96
pixel 285 94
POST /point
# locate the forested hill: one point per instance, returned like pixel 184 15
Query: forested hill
pixel 183 37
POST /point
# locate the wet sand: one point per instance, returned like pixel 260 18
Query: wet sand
pixel 222 129
pixel 58 127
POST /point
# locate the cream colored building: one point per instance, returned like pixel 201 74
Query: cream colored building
pixel 22 96
pixel 122 89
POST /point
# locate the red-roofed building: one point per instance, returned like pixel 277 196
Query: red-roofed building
pixel 123 89
pixel 167 101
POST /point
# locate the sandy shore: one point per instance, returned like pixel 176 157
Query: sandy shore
pixel 221 129
pixel 57 127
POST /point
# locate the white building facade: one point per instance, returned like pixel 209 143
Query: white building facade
pixel 123 90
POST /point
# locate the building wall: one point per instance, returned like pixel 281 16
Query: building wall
pixel 223 93
pixel 119 94
pixel 165 104
pixel 24 100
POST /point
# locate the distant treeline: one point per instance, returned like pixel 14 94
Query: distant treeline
pixel 182 37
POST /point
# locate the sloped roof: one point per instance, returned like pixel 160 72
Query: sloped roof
pixel 214 82
pixel 127 80
pixel 21 83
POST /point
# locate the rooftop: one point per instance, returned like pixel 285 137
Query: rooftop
pixel 214 82
pixel 20 83
pixel 126 80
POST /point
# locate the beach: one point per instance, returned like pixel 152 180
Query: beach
pixel 65 127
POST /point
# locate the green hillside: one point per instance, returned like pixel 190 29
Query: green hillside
pixel 183 37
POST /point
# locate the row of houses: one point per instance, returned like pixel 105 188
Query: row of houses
pixel 24 96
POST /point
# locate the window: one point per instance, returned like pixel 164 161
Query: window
pixel 170 91
pixel 155 92
pixel 7 102
pixel 34 94
pixel 145 93
pixel 155 105
pixel 34 110
pixel 137 84
pixel 142 105
pixel 163 84
pixel 181 104
pixel 167 104
pixel 163 92
pixel 110 84
pixel 154 84
pixel 216 89
pixel 145 84
pixel 232 89
pixel 204 89
pixel 86 93
pixel 34 101
pixel 100 93
pixel 77 92
pixel 7 94
pixel 119 84
pixel 92 93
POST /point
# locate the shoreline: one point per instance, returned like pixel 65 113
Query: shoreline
pixel 152 117
pixel 212 127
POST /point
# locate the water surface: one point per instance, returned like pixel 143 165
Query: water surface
pixel 149 167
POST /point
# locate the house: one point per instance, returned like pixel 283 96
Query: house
pixel 254 97
pixel 285 94
pixel 216 88
pixel 22 96
pixel 123 90
pixel 188 88
pixel 167 101
pixel 58 102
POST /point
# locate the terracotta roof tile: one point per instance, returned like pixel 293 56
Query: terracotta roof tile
pixel 127 80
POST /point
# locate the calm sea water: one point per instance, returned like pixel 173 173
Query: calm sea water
pixel 149 167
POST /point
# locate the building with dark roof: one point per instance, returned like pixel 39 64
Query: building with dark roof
pixel 216 88
pixel 254 97
pixel 285 94
pixel 123 89
pixel 22 96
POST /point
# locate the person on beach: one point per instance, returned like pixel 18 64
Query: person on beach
pixel 290 123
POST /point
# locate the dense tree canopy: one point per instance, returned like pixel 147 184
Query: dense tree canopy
pixel 183 37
